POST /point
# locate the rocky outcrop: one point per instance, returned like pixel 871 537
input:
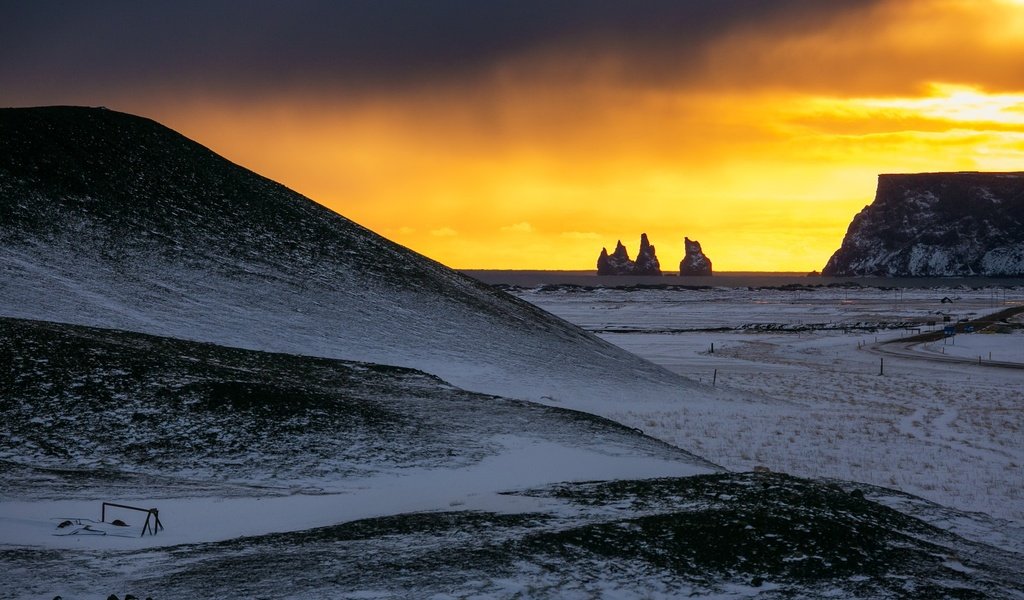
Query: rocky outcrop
pixel 694 262
pixel 937 224
pixel 646 260
pixel 619 263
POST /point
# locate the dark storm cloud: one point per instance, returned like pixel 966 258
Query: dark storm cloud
pixel 49 48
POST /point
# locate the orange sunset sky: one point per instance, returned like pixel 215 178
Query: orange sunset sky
pixel 527 136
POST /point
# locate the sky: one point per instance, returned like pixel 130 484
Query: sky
pixel 529 135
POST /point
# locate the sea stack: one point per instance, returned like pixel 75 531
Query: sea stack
pixel 616 263
pixel 619 263
pixel 694 262
pixel 646 260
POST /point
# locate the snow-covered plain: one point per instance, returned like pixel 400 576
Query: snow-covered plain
pixel 797 374
pixel 226 521
pixel 982 347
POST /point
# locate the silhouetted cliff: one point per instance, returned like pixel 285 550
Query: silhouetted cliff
pixel 937 224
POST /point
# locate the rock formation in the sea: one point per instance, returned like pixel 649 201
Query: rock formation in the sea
pixel 616 263
pixel 603 267
pixel 646 260
pixel 937 224
pixel 619 263
pixel 695 262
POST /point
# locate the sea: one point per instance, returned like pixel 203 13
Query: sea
pixel 751 279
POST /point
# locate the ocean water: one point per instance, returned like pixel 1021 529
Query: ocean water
pixel 728 279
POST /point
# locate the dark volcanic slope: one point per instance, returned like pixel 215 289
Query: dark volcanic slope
pixel 941 224
pixel 112 220
pixel 88 413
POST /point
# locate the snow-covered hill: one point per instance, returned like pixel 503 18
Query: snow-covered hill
pixel 944 224
pixel 112 220
pixel 94 412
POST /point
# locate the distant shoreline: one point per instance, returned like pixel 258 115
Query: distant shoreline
pixel 534 278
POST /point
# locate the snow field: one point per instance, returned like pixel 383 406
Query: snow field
pixel 522 463
pixel 812 402
pixel 983 347
pixel 229 443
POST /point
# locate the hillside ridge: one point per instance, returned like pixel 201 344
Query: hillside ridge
pixel 113 220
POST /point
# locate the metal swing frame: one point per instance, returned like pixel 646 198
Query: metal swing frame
pixel 152 524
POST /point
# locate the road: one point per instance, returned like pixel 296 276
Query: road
pixel 907 347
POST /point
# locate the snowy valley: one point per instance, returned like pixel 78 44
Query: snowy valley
pixel 318 412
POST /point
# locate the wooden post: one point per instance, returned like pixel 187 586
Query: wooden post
pixel 714 378
pixel 712 347
pixel 881 366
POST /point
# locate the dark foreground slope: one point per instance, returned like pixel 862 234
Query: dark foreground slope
pixel 93 413
pixel 726 535
pixel 112 220
pixel 89 413
pixel 937 224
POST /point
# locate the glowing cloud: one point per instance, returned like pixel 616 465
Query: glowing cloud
pixel 954 103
